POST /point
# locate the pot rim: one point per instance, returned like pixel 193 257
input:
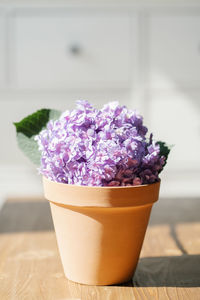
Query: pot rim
pixel 86 196
pixel 100 187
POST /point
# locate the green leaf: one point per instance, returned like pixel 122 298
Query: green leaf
pixel 29 147
pixel 33 124
pixel 164 150
pixel 29 127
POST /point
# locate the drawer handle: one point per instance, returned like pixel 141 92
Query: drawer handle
pixel 75 50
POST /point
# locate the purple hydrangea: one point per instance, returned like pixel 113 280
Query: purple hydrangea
pixel 106 147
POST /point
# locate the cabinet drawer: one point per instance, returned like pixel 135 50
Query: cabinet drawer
pixel 2 51
pixel 73 50
pixel 175 119
pixel 175 51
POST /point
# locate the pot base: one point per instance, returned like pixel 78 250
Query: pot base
pixel 102 283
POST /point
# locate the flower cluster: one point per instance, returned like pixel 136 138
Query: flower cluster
pixel 106 147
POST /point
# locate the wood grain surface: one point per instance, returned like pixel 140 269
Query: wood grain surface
pixel 30 267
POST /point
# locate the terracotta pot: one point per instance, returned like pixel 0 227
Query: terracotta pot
pixel 100 230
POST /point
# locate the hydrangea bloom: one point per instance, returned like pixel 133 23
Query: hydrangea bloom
pixel 106 147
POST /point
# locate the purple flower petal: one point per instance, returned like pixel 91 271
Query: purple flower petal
pixel 106 147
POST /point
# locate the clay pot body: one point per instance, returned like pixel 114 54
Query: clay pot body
pixel 100 230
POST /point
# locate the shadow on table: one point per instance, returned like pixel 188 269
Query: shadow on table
pixel 34 215
pixel 172 271
pixel 175 210
pixel 25 216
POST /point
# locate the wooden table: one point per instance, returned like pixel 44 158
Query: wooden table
pixel 30 266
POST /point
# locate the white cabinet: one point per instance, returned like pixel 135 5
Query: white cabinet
pixel 74 50
pixel 2 51
pixel 146 56
pixel 174 57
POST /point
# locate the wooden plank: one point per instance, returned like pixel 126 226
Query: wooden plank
pixel 189 236
pixel 30 266
pixel 159 242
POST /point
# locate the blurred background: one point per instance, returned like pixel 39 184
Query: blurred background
pixel 146 56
